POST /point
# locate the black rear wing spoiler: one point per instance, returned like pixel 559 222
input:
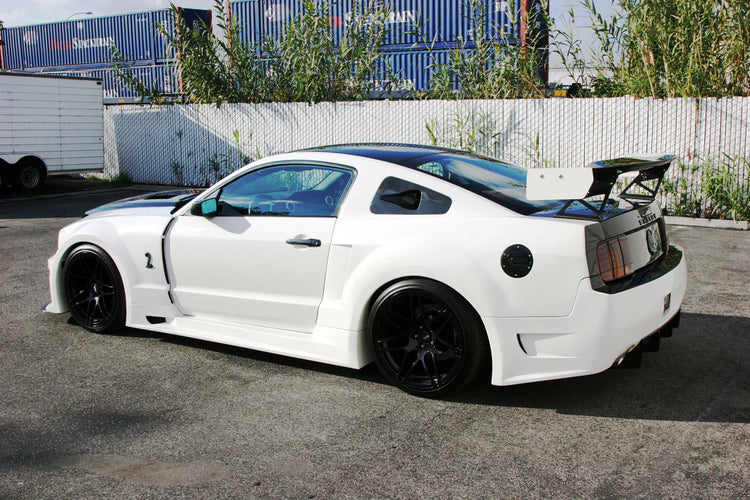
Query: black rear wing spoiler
pixel 597 179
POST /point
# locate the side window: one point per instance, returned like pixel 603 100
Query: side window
pixel 286 190
pixel 397 196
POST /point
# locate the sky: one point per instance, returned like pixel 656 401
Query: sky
pixel 24 12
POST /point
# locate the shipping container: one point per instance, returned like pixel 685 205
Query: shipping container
pixel 163 77
pixel 90 41
pixel 504 20
pixel 408 73
pixel 247 15
pixel 409 23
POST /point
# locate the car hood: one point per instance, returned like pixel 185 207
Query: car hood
pixel 158 203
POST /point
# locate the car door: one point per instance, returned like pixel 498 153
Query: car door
pixel 256 252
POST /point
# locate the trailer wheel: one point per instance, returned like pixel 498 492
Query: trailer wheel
pixel 4 175
pixel 29 175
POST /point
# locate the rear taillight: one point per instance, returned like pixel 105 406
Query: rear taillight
pixel 611 260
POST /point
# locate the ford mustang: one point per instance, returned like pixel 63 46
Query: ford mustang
pixel 438 265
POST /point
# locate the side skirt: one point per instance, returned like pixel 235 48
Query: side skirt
pixel 325 345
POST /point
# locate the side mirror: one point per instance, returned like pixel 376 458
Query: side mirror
pixel 206 208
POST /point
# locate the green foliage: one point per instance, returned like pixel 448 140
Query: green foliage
pixel 306 65
pixel 216 69
pixel 723 192
pixel 682 199
pixel 121 178
pixel 302 65
pixel 726 187
pixel 673 48
pixel 497 68
pixel 472 131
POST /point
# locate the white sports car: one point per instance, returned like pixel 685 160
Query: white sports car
pixel 433 263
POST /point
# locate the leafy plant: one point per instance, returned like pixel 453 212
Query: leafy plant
pixel 121 178
pixel 681 198
pixel 534 154
pixel 722 192
pixel 491 67
pixel 673 48
pixel 304 63
pixel 726 187
pixel 177 172
pixel 470 131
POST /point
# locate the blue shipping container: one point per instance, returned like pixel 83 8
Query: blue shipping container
pixel 90 41
pixel 161 76
pixel 408 72
pixel 247 15
pixel 409 23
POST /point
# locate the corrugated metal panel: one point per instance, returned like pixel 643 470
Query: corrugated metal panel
pixel 412 70
pixel 194 19
pixel 276 14
pixel 504 19
pixel 409 23
pixel 12 50
pixel 89 41
pixel 426 21
pixel 115 91
pixel 247 15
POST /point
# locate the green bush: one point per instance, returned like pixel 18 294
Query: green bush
pixel 499 67
pixel 303 64
pixel 673 48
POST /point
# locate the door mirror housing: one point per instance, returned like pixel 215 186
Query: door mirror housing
pixel 206 208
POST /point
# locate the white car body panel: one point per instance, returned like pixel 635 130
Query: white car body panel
pixel 312 303
pixel 241 269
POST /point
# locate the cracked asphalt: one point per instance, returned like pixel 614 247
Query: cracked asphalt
pixel 143 415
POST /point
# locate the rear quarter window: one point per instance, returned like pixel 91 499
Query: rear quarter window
pixel 397 196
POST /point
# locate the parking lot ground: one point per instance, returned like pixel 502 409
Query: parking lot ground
pixel 143 415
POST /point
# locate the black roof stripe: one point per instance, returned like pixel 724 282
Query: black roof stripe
pixel 393 153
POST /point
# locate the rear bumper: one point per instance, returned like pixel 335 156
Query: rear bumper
pixel 601 327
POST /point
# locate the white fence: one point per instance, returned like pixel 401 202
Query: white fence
pixel 197 144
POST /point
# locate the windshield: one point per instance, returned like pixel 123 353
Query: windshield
pixel 497 181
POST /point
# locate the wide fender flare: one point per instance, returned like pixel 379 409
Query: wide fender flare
pixel 387 265
pixel 104 235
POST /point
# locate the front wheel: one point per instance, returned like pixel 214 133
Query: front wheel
pixel 427 340
pixel 94 290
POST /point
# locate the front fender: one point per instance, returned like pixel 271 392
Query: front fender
pixel 143 285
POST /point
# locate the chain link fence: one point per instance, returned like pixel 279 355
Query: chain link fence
pixel 196 145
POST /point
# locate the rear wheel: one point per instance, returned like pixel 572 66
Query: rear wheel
pixel 428 341
pixel 94 290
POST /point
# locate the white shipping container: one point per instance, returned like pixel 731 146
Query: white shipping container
pixel 49 125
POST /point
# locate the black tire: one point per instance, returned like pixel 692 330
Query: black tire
pixel 427 339
pixel 93 290
pixel 29 176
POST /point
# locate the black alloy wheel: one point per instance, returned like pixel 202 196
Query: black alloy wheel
pixel 94 290
pixel 427 340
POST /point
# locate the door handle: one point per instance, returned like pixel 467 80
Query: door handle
pixel 310 242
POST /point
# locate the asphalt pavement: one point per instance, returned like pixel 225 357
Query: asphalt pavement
pixel 144 415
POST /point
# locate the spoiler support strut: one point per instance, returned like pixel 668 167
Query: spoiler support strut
pixel 602 179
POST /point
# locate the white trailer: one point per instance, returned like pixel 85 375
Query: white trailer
pixel 49 125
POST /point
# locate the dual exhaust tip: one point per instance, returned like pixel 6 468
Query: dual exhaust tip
pixel 633 356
